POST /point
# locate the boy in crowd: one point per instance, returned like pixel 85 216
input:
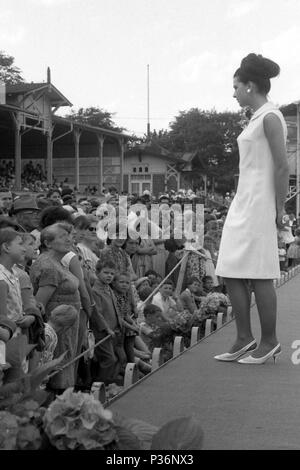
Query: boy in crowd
pixel 156 331
pixel 109 360
pixel 166 299
pixel 208 285
pixel 187 297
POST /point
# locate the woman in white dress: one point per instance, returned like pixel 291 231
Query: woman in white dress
pixel 248 249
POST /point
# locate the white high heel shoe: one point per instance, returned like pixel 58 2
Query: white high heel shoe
pixel 227 357
pixel 275 352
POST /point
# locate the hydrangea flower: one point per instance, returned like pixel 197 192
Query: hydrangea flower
pixel 79 421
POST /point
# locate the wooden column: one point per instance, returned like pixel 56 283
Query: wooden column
pixel 77 134
pixel 100 161
pixel 49 158
pixel 18 152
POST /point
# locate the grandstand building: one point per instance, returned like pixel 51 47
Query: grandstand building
pixel 30 131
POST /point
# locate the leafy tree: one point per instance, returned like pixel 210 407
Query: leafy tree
pixel 212 135
pixel 289 109
pixel 94 116
pixel 9 73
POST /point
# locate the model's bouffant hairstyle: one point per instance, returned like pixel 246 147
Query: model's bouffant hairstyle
pixel 257 69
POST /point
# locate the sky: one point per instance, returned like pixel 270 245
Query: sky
pixel 98 52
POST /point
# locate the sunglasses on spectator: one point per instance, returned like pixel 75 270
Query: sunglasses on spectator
pixel 92 229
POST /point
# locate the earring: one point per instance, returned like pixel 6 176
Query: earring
pixel 248 91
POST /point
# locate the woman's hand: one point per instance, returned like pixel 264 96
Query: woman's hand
pixel 26 322
pixel 111 333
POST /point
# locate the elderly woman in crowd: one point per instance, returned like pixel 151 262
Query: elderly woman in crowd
pixel 54 285
pixel 86 239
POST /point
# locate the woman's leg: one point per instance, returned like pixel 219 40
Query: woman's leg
pixel 240 298
pixel 266 302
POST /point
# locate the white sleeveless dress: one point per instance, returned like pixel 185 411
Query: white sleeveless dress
pixel 249 248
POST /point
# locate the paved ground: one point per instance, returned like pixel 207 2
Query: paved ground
pixel 239 406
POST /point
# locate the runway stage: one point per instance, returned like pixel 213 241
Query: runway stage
pixel 239 406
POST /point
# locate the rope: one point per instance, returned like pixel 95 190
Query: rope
pixel 162 282
pixel 79 356
pixel 144 302
pixel 169 274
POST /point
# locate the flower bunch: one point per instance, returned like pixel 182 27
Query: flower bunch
pixel 77 421
pixel 212 303
pixel 20 427
pixel 181 322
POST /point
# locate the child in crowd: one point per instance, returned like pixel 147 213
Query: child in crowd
pixel 187 297
pixel 143 295
pixel 208 285
pixel 61 318
pixel 152 276
pixel 141 283
pixel 12 251
pixel 127 309
pixel 109 360
pixel 35 332
pixel 156 332
pixel 166 300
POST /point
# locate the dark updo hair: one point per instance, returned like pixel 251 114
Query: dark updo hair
pixel 257 69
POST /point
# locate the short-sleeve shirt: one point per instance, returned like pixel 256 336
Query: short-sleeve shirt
pixel 48 272
pixel 14 299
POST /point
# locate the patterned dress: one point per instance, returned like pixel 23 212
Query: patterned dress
pixel 47 271
pixel 125 307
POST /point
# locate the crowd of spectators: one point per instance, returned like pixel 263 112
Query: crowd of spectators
pixel 65 286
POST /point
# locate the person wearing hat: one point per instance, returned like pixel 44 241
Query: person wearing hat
pixel 5 200
pixel 26 213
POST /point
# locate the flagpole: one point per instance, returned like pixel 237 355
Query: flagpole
pixel 148 104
